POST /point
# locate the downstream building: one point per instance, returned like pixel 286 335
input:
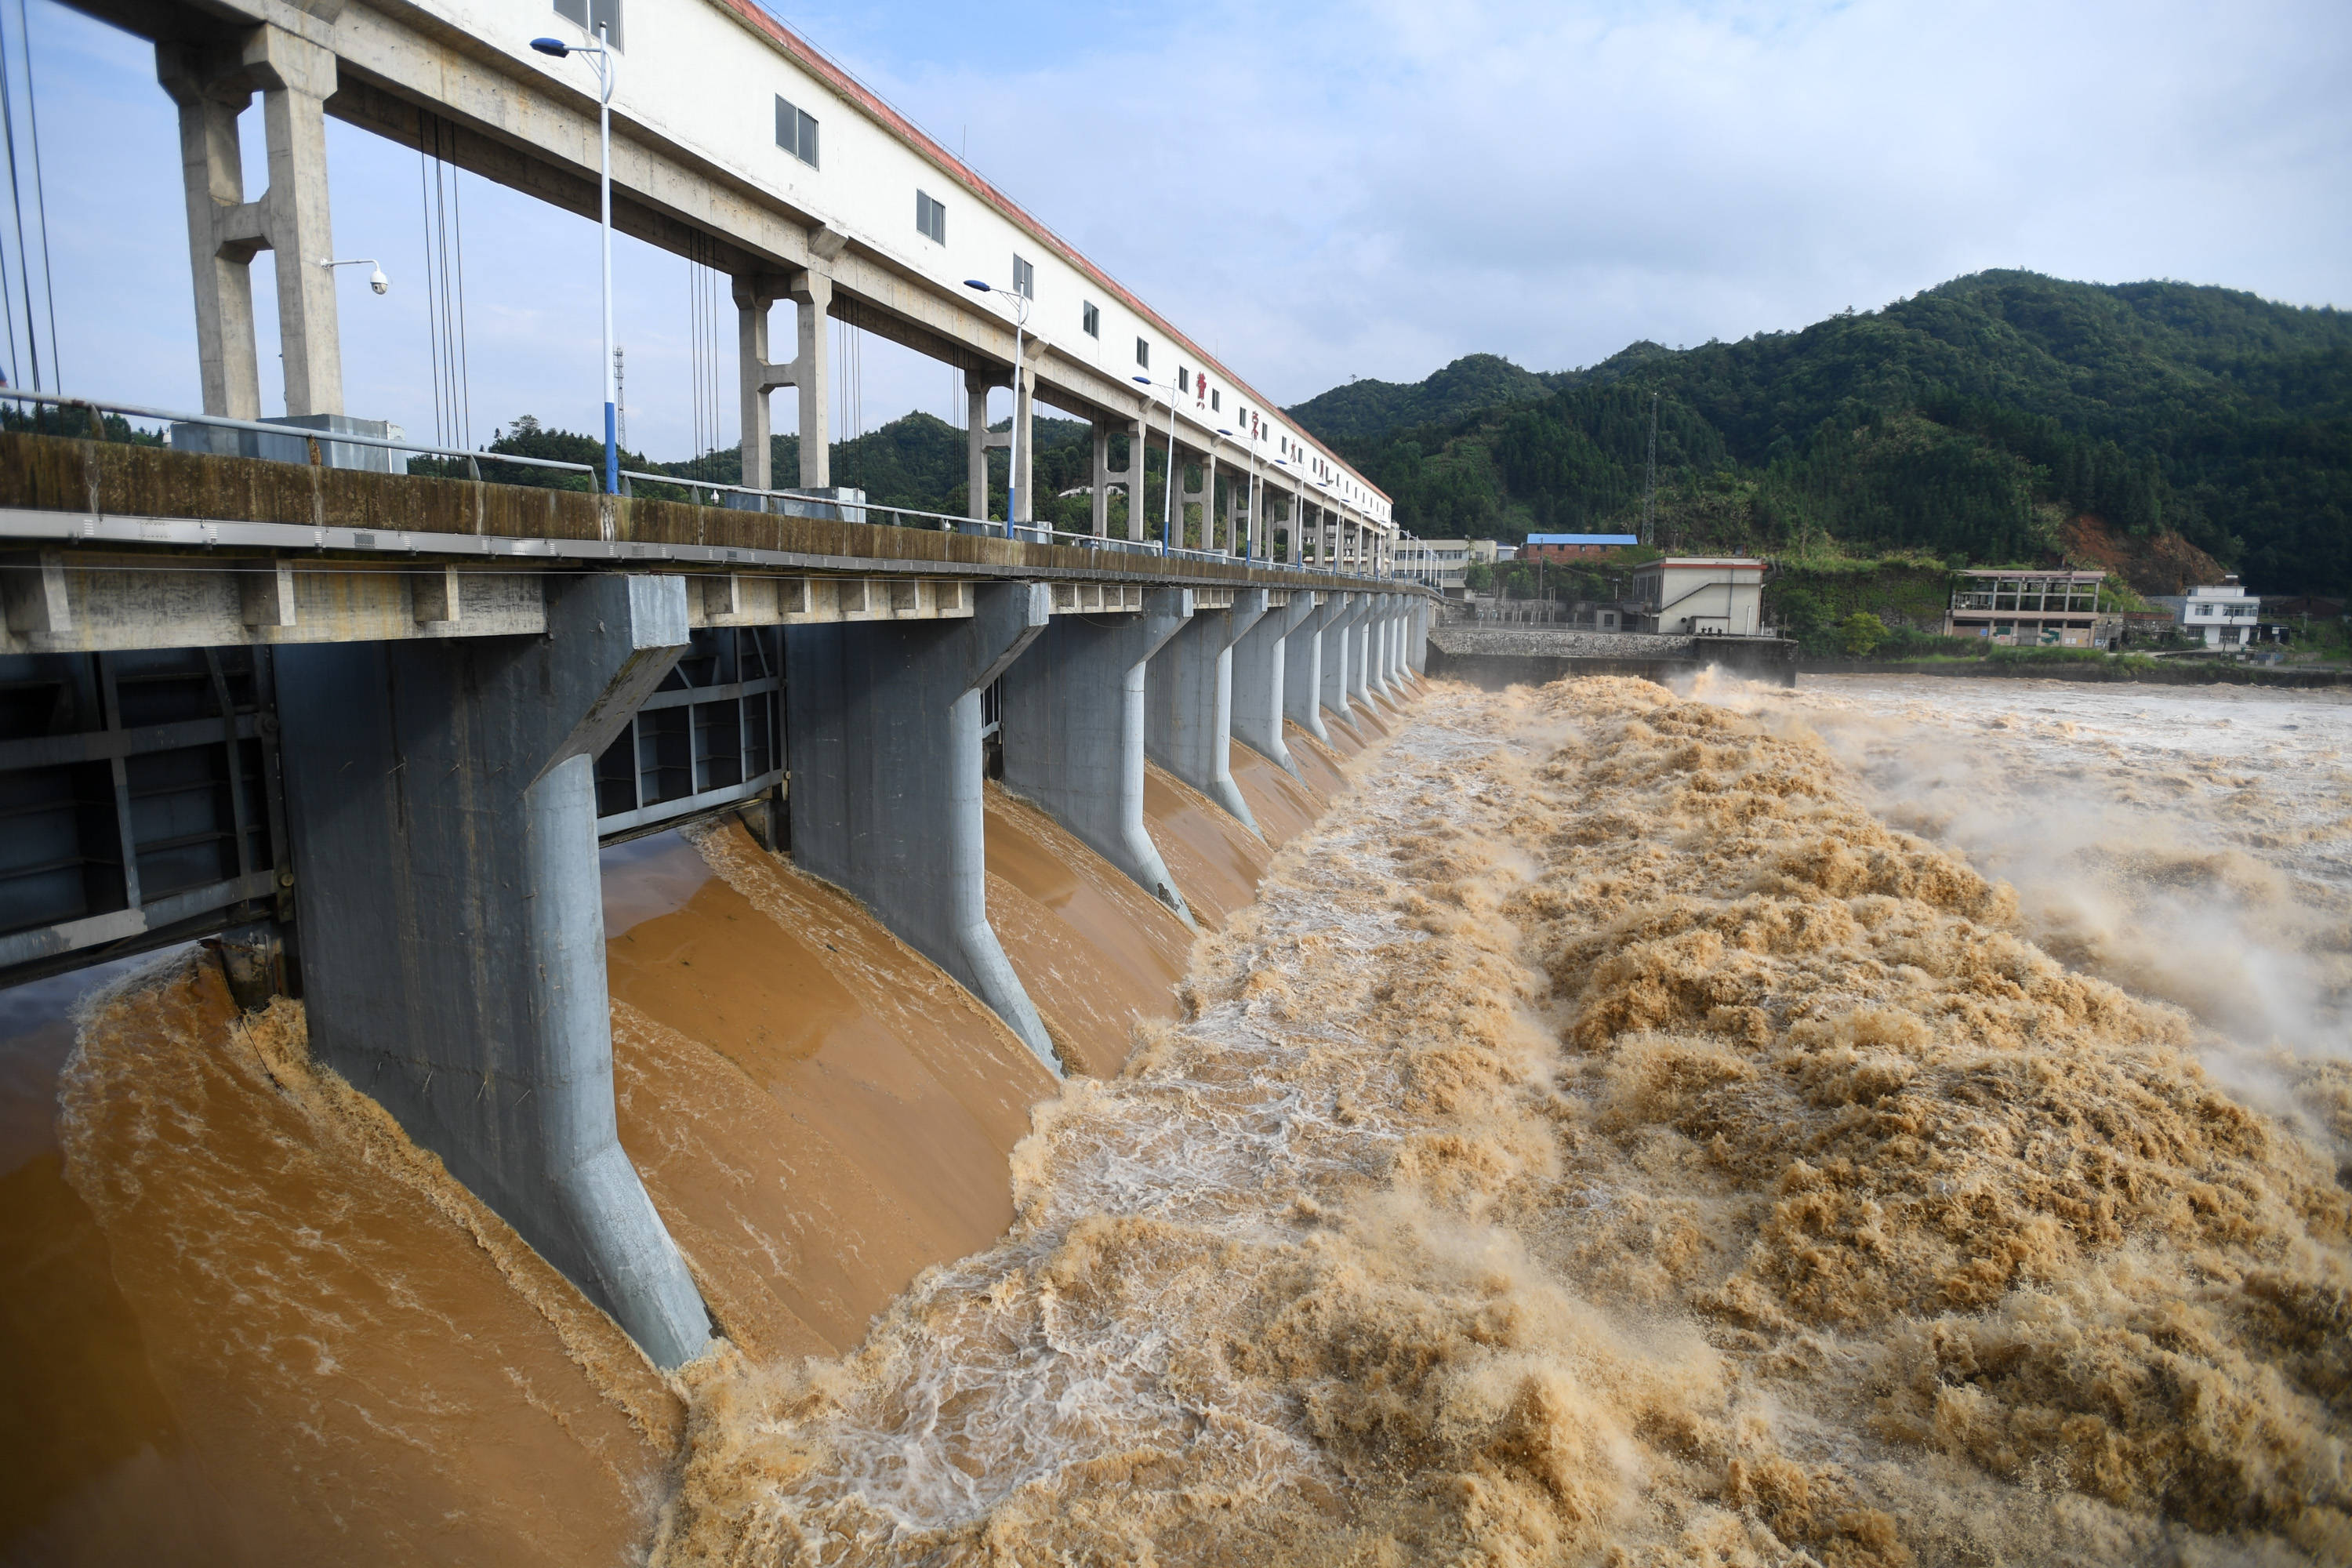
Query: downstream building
pixel 2027 609
pixel 1573 546
pixel 1442 564
pixel 2221 614
pixel 1722 596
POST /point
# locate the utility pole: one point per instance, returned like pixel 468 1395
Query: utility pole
pixel 1650 481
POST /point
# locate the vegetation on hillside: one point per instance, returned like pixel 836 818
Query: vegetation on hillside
pixel 1971 423
pixel 915 461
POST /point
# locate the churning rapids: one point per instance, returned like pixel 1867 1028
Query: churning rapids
pixel 1884 1123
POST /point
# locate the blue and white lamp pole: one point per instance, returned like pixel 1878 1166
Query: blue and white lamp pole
pixel 1168 505
pixel 601 54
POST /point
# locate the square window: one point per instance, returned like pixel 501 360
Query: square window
pixel 1142 354
pixel 1090 320
pixel 796 132
pixel 1024 279
pixel 590 14
pixel 931 218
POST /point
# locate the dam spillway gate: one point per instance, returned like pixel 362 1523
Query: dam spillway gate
pixel 373 758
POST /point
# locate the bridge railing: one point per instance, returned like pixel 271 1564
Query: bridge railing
pixel 314 441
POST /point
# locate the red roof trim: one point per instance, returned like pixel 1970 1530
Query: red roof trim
pixel 849 87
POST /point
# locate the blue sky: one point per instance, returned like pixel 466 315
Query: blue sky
pixel 1544 181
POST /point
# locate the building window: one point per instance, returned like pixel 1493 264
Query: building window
pixel 1184 379
pixel 1142 354
pixel 1090 319
pixel 1215 397
pixel 796 132
pixel 930 219
pixel 1024 279
pixel 590 14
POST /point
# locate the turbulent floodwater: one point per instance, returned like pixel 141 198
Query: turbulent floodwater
pixel 1887 1122
pixel 1611 1139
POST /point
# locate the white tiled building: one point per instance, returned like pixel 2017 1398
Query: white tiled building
pixel 2221 614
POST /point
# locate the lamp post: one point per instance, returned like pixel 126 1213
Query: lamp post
pixel 1013 448
pixel 1167 501
pixel 601 54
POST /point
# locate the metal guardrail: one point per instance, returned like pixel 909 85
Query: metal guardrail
pixel 1032 533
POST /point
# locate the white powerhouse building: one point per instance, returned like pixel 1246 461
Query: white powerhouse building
pixel 1700 594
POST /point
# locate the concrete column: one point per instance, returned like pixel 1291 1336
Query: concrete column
pixel 1302 669
pixel 1099 520
pixel 442 808
pixel 297 77
pixel 213 84
pixel 887 776
pixel 757 376
pixel 979 441
pixel 1189 701
pixel 1339 658
pixel 224 232
pixel 1187 498
pixel 812 291
pixel 809 369
pixel 1072 731
pixel 1260 666
pixel 1375 634
pixel 1135 475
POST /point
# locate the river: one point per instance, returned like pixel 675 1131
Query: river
pixel 1889 1121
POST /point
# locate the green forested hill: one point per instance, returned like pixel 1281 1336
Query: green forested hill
pixel 1968 421
pixel 1366 408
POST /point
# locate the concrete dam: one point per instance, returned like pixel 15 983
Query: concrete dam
pixel 980 795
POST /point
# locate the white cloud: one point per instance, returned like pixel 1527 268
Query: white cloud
pixel 1323 190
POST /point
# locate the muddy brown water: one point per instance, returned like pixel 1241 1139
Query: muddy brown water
pixel 242 1321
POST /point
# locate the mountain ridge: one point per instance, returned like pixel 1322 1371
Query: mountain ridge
pixel 1972 419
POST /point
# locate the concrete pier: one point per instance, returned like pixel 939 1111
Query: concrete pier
pixel 887 778
pixel 1072 731
pixel 442 816
pixel 1359 653
pixel 1340 645
pixel 1261 667
pixel 1189 701
pixel 1302 679
pixel 1380 633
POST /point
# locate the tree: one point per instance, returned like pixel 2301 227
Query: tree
pixel 1861 632
pixel 1479 577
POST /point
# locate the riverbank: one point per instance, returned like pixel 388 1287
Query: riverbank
pixel 2100 668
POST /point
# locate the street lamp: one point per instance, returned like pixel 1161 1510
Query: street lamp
pixel 601 53
pixel 1012 450
pixel 1167 501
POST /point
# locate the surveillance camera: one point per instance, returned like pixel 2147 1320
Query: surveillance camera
pixel 380 283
